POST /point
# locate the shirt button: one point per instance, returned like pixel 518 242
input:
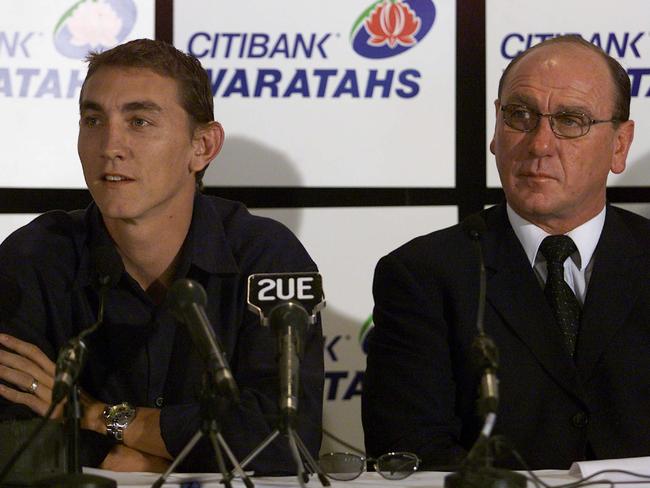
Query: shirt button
pixel 580 420
pixel 159 401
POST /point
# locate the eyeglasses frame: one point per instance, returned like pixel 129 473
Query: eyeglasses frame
pixel 551 117
pixel 366 461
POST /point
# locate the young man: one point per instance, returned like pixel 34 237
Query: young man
pixel 146 135
pixel 572 330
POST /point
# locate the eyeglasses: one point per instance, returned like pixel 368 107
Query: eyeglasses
pixel 565 125
pixel 345 466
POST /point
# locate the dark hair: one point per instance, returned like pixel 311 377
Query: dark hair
pixel 619 75
pixel 194 88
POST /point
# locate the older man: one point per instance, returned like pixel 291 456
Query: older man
pixel 567 299
pixel 146 135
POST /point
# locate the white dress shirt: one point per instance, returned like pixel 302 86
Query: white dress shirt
pixel 577 269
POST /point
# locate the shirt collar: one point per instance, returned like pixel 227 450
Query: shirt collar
pixel 95 234
pixel 584 236
pixel 205 246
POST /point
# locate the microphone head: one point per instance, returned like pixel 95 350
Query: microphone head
pixel 183 293
pixel 474 225
pixel 290 313
pixel 106 264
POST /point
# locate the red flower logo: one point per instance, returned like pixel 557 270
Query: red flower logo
pixel 392 23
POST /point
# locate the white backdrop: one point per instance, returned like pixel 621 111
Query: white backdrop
pixel 621 28
pixel 42 45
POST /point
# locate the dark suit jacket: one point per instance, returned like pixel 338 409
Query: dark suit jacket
pixel 420 388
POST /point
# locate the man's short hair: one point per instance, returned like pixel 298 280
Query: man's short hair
pixel 194 88
pixel 620 77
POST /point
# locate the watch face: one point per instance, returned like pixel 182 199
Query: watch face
pixel 117 418
pixel 120 415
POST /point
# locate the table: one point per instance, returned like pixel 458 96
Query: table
pixel 367 480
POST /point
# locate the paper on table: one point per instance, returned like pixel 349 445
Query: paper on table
pixel 147 479
pixel 639 465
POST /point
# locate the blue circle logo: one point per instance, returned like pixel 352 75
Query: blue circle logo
pixel 93 25
pixel 390 27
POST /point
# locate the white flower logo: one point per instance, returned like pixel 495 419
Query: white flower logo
pixel 95 24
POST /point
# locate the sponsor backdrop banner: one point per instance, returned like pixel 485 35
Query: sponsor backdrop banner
pixel 42 45
pixel 346 243
pixel 620 28
pixel 340 93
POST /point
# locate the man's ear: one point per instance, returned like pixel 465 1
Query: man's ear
pixel 624 137
pixel 207 142
pixel 497 108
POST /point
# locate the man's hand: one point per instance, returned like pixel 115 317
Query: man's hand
pixel 31 376
pixel 30 373
pixel 123 458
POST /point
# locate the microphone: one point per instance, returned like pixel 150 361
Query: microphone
pixel 288 303
pixel 107 269
pixel 289 321
pixel 188 300
pixel 484 352
pixel 477 469
pixel 69 364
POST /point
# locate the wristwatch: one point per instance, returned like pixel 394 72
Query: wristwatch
pixel 117 418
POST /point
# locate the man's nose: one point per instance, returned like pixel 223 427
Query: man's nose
pixel 541 140
pixel 114 142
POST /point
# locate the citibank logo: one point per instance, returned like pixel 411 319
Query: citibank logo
pixel 390 27
pixel 93 25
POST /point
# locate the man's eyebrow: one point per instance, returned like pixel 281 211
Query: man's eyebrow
pixel 528 102
pixel 140 105
pixel 574 108
pixel 90 105
pixel 520 100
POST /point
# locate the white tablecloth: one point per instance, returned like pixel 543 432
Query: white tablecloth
pixel 367 480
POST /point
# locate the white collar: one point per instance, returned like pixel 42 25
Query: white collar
pixel 585 236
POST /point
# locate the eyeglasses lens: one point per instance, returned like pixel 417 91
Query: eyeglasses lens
pixel 564 124
pixel 397 465
pixel 570 125
pixel 342 466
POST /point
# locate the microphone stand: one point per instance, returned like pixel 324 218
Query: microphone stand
pixel 290 343
pixel 477 470
pixel 74 477
pixel 297 448
pixel 75 353
pixel 219 391
pixel 70 362
pixel 214 404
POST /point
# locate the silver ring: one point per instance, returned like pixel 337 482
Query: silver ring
pixel 34 386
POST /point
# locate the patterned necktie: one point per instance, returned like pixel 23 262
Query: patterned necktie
pixel 565 305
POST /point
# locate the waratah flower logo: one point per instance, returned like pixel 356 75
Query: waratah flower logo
pixel 93 25
pixel 391 24
pixel 390 27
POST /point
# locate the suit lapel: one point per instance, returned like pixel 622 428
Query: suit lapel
pixel 515 294
pixel 613 288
